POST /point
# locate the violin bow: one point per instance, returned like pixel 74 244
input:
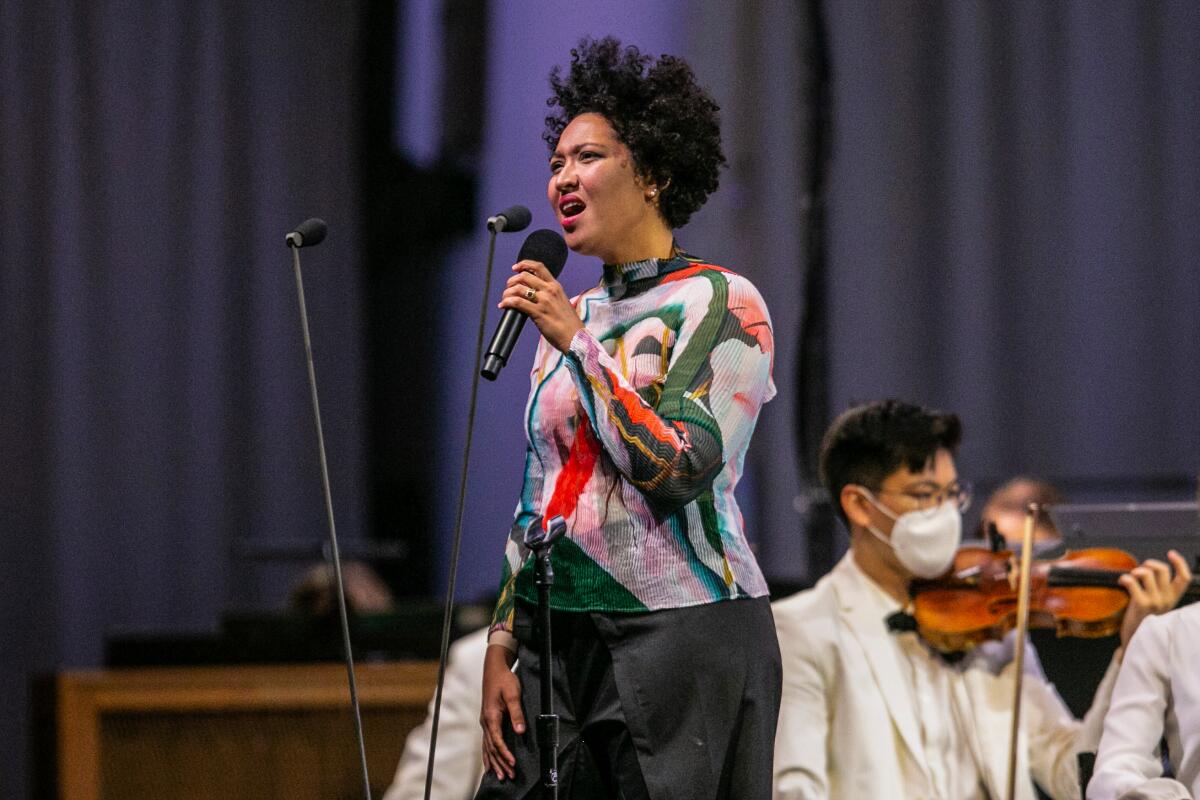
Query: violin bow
pixel 1019 655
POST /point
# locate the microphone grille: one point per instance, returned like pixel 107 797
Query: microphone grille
pixel 313 230
pixel 546 246
pixel 516 218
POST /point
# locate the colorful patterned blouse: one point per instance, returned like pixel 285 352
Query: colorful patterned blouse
pixel 636 438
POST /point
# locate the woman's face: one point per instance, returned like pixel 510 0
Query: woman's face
pixel 604 207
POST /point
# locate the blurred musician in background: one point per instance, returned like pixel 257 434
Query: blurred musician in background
pixel 868 709
pixel 1004 512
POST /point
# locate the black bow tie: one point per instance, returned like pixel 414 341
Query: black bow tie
pixel 901 622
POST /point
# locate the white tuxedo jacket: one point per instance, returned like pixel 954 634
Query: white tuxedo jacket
pixel 458 765
pixel 847 727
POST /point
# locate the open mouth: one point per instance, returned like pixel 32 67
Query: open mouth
pixel 570 207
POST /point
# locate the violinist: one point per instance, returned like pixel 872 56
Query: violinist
pixel 868 709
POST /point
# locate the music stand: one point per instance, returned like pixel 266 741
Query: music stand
pixel 1145 530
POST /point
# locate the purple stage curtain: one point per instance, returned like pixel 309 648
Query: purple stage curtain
pixel 154 408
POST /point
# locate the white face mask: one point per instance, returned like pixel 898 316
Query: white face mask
pixel 925 542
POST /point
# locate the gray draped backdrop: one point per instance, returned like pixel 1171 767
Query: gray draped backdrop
pixel 1011 230
pixel 153 409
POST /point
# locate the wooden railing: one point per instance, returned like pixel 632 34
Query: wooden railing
pixel 230 732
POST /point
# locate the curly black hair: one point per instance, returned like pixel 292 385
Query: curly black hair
pixel 670 125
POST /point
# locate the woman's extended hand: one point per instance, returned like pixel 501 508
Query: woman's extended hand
pixel 533 291
pixel 501 697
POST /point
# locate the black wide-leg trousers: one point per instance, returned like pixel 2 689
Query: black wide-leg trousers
pixel 667 705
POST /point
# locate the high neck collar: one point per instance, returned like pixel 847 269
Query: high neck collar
pixel 630 271
pixel 618 276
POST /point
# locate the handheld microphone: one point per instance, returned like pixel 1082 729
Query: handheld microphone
pixel 311 231
pixel 512 219
pixel 542 245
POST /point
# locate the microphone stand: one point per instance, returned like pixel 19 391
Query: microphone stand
pixel 514 218
pixel 333 544
pixel 452 578
pixel 540 542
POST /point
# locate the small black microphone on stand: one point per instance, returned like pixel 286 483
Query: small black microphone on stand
pixel 308 233
pixel 510 220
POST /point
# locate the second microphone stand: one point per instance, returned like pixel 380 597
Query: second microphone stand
pixel 540 541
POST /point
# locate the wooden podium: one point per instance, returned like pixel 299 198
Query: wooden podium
pixel 232 732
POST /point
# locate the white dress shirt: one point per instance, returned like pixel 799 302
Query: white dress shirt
pixel 1157 694
pixel 952 767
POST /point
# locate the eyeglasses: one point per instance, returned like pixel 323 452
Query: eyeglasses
pixel 930 499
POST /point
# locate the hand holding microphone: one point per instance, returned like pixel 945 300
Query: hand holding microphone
pixel 533 293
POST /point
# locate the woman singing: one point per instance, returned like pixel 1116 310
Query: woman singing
pixel 645 390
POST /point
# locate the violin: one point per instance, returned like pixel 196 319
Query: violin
pixel 976 601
